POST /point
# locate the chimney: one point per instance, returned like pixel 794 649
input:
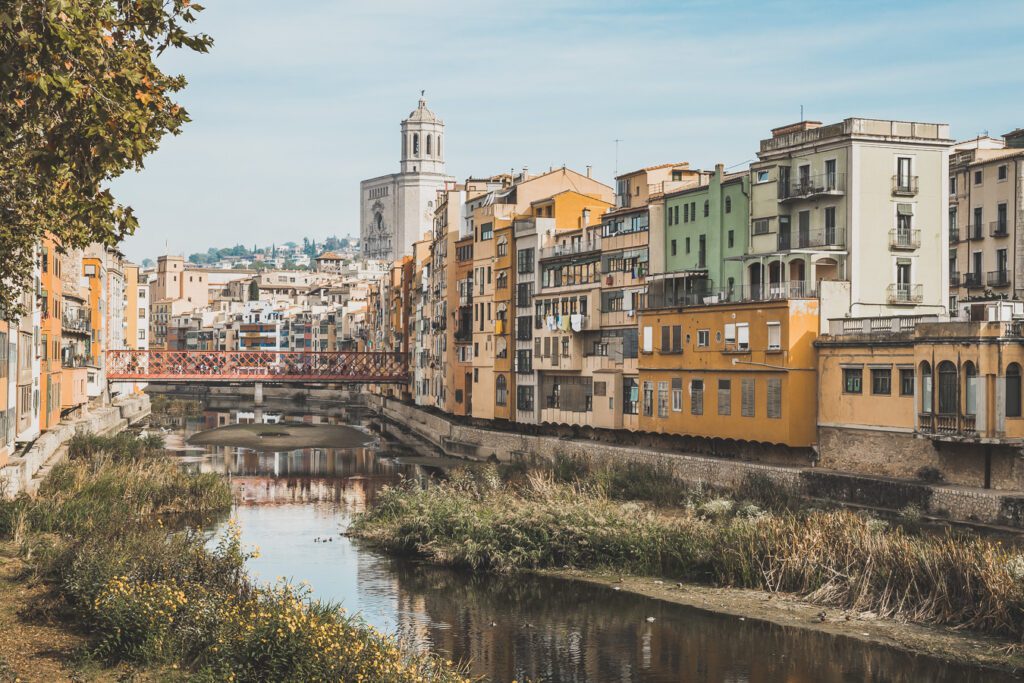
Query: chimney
pixel 526 171
pixel 588 170
pixel 586 217
pixel 720 169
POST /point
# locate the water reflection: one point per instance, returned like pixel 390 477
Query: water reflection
pixel 295 505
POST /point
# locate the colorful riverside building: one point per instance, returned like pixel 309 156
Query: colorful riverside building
pixel 51 315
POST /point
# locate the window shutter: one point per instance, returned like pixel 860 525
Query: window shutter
pixel 697 397
pixel 742 335
pixel 665 343
pixel 648 339
pixel 747 407
pixel 724 397
pixel 774 336
pixel 775 398
pixel 730 332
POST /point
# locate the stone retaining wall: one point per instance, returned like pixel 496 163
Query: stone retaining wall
pixel 20 474
pixel 956 503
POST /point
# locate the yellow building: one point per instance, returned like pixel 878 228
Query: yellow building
pixel 738 372
pixel 909 398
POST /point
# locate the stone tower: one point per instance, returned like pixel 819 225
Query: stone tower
pixel 422 141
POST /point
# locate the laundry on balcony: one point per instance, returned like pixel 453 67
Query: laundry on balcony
pixel 576 320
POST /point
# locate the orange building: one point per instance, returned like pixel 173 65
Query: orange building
pixel 51 311
pixel 741 372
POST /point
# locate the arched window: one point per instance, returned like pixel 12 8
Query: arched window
pixel 415 144
pixel 948 389
pixel 428 145
pixel 501 390
pixel 970 389
pixel 728 204
pixel 1013 390
pixel 926 387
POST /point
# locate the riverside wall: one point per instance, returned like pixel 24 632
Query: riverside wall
pixel 955 503
pixel 24 473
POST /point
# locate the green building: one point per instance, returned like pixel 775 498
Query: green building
pixel 705 234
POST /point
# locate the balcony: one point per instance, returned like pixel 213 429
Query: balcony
pixel 571 248
pixel 954 278
pixel 972 280
pixel 947 425
pixel 954 234
pixel 76 322
pixel 826 237
pixel 974 231
pixel 998 229
pixel 904 239
pixel 904 186
pixel 905 294
pixel 813 186
pixel 998 278
pixel 839 327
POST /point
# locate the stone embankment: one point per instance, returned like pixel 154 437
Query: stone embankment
pixel 25 472
pixel 947 502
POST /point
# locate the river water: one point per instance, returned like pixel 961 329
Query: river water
pixel 295 505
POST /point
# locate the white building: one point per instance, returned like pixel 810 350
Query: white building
pixel 396 209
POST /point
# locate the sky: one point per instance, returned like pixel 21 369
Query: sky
pixel 300 100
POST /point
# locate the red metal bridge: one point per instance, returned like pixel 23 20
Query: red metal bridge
pixel 257 366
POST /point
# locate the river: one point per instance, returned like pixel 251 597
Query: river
pixel 294 506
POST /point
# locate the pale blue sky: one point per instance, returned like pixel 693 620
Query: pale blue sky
pixel 300 100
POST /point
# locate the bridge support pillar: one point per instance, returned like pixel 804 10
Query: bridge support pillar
pixel 258 393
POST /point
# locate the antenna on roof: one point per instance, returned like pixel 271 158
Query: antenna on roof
pixel 617 141
pixel 801 113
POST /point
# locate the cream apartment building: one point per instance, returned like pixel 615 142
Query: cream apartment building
pixel 986 219
pixel 854 212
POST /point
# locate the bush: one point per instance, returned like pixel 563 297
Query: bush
pixel 152 595
pixel 932 475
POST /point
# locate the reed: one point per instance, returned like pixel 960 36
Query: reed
pixel 830 557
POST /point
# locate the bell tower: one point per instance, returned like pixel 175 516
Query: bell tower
pixel 422 141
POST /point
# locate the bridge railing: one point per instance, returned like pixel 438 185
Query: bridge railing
pixel 347 366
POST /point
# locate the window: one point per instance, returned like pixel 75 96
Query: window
pixel 774 336
pixel 1001 172
pixel 970 389
pixel 703 338
pixel 677 339
pixel 948 389
pixel 730 333
pixel 775 398
pixel 525 260
pixel 673 247
pixel 1013 390
pixel 881 381
pixel 677 394
pixel 648 399
pixel 524 361
pixel 724 397
pixel 926 387
pixel 675 214
pixel 748 387
pixel 524 398
pixel 761 226
pixel 686 213
pixel 486 231
pixel 977 177
pixel 906 381
pixel 763 176
pixel 742 336
pixel 731 237
pixel 648 339
pixel 707 208
pixel 687 243
pixel 524 294
pixel 476 375
pixel 662 399
pixel 852 379
pixel 630 396
pixel 952 185
pixel 666 344
pixel 501 390
pixel 600 388
pixel 696 397
pixel 502 247
pixel 728 204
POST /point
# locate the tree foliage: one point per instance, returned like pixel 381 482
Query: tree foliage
pixel 81 102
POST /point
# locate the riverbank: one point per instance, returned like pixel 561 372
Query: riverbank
pixel 111 562
pixel 830 570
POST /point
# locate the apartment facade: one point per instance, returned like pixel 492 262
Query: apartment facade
pixel 986 219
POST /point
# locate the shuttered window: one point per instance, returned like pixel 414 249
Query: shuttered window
pixel 724 397
pixel 677 394
pixel 677 338
pixel 665 342
pixel 747 407
pixel 742 336
pixel 775 398
pixel 774 336
pixel 697 397
pixel 648 339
